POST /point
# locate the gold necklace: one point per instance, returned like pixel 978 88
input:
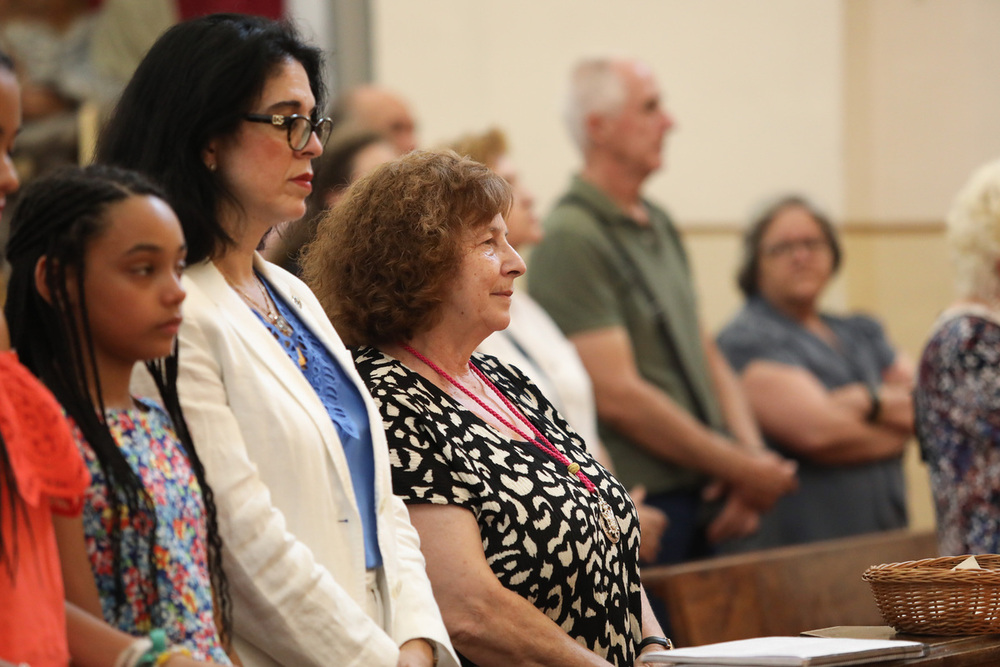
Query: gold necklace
pixel 275 318
pixel 270 314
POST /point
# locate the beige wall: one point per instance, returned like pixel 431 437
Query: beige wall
pixel 754 86
pixel 877 109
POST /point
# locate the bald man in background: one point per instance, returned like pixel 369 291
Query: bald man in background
pixel 375 108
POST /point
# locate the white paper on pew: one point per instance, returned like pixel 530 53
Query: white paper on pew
pixel 790 651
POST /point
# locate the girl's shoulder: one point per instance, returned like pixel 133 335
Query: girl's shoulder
pixel 37 437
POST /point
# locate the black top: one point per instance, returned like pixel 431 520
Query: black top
pixel 541 532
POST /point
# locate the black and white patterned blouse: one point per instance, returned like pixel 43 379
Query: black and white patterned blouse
pixel 540 527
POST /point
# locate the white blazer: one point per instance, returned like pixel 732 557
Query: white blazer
pixel 294 551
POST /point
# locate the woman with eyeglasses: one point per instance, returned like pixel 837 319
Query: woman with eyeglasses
pixel 323 563
pixel 827 390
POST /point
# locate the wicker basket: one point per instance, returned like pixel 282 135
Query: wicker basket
pixel 927 597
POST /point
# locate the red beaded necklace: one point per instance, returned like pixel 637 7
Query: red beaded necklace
pixel 608 521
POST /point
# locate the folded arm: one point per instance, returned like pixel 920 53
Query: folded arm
pixel 648 416
pixel 795 409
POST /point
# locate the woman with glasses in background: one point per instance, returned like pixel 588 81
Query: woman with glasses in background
pixel 828 391
pixel 322 560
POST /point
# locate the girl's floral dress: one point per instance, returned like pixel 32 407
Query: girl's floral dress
pixel 183 603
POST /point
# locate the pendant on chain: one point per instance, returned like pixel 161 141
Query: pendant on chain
pixel 281 323
pixel 608 521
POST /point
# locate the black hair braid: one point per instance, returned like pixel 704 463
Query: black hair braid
pixel 164 374
pixel 56 218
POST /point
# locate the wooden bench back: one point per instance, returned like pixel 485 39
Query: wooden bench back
pixel 782 591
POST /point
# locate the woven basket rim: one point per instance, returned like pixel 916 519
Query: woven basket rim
pixel 937 570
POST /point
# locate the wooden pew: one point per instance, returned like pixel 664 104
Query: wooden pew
pixel 782 591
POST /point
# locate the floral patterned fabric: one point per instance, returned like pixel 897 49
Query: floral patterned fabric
pixel 957 403
pixel 184 606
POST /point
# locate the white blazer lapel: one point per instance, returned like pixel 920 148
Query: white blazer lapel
pixel 298 294
pixel 272 357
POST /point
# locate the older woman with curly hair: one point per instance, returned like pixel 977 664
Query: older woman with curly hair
pixel 957 399
pixel 531 546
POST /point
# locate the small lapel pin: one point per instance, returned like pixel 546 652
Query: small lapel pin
pixel 296 301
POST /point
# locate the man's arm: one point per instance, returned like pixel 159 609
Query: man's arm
pixel 735 407
pixel 648 416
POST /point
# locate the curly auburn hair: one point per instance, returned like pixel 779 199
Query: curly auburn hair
pixel 385 255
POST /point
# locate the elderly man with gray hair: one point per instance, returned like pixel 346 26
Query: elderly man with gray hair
pixel 612 272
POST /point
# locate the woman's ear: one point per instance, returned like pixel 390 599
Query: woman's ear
pixel 41 270
pixel 209 157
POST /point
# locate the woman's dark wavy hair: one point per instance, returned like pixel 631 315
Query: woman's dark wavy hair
pixel 57 217
pixel 748 273
pixel 386 255
pixel 194 85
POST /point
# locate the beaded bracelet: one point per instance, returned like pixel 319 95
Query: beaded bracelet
pixel 134 652
pixel 144 651
pixel 161 659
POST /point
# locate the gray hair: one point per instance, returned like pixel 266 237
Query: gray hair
pixel 596 86
pixel 974 234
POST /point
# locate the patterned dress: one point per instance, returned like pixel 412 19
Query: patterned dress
pixel 541 533
pixel 957 404
pixel 183 587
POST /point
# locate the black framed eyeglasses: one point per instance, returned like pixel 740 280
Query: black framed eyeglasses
pixel 299 128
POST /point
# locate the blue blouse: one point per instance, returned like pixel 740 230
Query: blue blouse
pixel 345 406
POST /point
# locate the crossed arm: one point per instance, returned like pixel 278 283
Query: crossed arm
pixel 831 426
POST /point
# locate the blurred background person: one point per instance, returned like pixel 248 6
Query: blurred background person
pixel 531 546
pixel 957 398
pixel 49 41
pixel 613 273
pixel 349 154
pixel 829 392
pixel 376 108
pixel 534 343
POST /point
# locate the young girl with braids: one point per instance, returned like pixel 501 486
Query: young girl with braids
pixel 96 256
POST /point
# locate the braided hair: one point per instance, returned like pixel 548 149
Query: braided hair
pixel 56 217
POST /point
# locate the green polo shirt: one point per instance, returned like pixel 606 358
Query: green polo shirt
pixel 581 280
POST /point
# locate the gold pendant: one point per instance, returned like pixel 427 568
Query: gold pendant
pixel 302 357
pixel 282 324
pixel 608 520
